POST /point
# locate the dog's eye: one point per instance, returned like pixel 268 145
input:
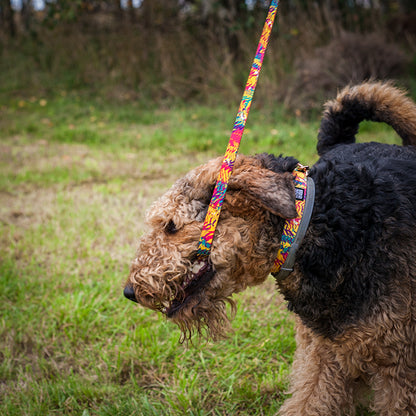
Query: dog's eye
pixel 171 227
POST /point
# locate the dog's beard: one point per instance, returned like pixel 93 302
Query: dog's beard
pixel 191 301
pixel 196 309
pixel 205 317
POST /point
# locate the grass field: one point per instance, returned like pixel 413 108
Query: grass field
pixel 76 176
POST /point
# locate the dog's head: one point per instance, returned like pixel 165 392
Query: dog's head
pixel 166 274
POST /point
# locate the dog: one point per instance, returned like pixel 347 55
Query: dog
pixel 352 285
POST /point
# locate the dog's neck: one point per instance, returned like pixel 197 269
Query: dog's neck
pixel 294 230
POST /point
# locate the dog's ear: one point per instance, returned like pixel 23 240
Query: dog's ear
pixel 272 191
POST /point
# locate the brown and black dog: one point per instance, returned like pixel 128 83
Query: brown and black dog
pixel 353 287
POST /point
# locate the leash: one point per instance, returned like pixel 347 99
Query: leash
pixel 214 209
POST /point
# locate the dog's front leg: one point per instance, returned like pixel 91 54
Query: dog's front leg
pixel 395 391
pixel 319 386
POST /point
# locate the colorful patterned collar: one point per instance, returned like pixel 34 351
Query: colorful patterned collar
pixel 294 230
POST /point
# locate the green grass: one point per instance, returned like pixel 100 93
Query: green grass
pixel 76 176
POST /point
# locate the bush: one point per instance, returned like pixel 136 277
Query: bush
pixel 351 58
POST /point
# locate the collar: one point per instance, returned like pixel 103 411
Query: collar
pixel 294 229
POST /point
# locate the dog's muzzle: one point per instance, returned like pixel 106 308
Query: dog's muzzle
pixel 129 293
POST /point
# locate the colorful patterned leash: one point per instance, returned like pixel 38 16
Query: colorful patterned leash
pixel 214 209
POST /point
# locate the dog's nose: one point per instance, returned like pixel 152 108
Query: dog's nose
pixel 129 293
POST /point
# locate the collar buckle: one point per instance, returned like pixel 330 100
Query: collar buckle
pixel 302 168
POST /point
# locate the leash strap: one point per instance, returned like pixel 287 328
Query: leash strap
pixel 214 209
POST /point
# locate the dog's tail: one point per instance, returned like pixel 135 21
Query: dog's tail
pixel 375 101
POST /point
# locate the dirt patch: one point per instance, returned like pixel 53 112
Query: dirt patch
pixel 42 164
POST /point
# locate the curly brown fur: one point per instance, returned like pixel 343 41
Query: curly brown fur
pixel 354 284
pixel 242 251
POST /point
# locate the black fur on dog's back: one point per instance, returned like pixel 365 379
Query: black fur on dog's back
pixel 374 101
pixel 363 225
pixel 354 259
pixel 362 231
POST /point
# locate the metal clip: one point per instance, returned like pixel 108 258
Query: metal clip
pixel 302 168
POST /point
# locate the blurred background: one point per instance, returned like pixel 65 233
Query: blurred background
pixel 201 49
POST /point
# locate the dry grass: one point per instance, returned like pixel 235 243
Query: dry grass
pixel 348 59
